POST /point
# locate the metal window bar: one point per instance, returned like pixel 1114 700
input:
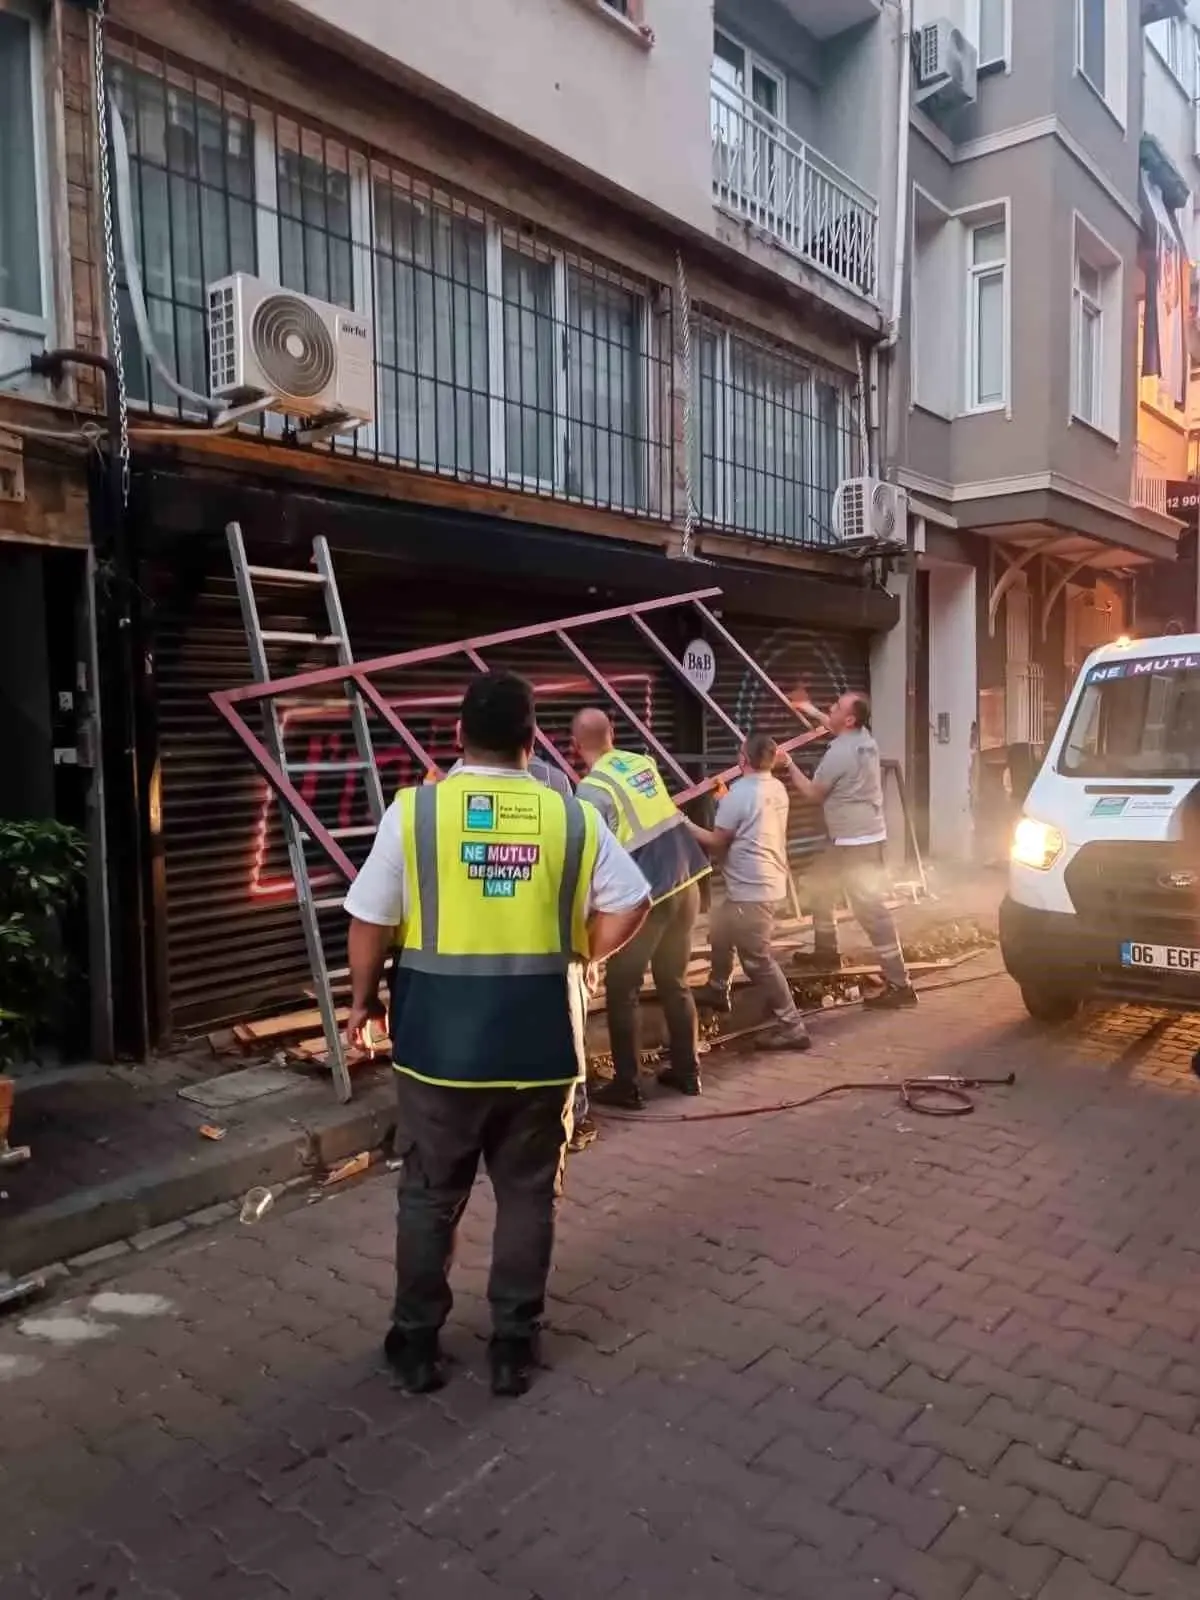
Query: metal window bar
pixel 302 823
pixel 775 432
pixel 504 354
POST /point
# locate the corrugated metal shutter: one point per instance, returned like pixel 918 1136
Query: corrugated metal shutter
pixel 828 664
pixel 234 943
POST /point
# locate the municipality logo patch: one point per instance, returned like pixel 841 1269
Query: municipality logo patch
pixel 481 811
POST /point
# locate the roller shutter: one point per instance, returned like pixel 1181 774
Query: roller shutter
pixel 234 947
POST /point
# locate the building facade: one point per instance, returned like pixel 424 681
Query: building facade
pixel 646 283
pixel 1168 310
pixel 626 268
pixel 1015 406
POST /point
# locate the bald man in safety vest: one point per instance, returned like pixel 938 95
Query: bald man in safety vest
pixel 629 792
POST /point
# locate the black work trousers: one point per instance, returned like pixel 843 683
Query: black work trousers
pixel 664 944
pixel 521 1134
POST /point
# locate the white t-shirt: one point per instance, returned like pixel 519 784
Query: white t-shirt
pixel 380 892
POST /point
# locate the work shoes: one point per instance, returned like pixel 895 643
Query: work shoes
pixel 416 1360
pixel 896 997
pixel 620 1095
pixel 682 1082
pixel 714 997
pixel 584 1133
pixel 513 1363
pixel 818 960
pixel 786 1039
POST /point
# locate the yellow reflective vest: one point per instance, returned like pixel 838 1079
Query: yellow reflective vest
pixel 649 824
pixel 498 871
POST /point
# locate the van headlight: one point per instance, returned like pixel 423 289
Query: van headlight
pixel 1036 844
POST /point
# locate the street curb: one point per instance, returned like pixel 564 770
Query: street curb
pixel 99 1217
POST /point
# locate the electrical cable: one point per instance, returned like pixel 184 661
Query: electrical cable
pixel 931 1095
pixel 938 1095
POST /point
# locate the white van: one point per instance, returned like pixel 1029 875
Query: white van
pixel 1104 876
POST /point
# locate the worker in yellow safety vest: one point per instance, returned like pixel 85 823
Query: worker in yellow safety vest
pixel 629 792
pixel 502 890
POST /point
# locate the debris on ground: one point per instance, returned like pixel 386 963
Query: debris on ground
pixel 255 1204
pixel 16 1291
pixel 209 1130
pixel 350 1168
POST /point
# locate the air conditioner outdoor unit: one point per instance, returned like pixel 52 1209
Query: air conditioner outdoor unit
pixel 869 514
pixel 947 64
pixel 308 358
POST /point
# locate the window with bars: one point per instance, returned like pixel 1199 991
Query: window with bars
pixel 772 437
pixel 24 258
pixel 192 184
pixel 501 355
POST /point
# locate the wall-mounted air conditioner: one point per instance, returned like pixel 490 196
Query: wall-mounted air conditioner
pixel 310 359
pixel 870 515
pixel 947 65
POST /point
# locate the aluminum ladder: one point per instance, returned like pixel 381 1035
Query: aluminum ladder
pixel 337 641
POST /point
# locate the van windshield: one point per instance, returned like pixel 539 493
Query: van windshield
pixel 1137 719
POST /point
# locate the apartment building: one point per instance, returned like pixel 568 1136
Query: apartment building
pixel 49 464
pixel 1015 420
pixel 625 266
pixel 1168 421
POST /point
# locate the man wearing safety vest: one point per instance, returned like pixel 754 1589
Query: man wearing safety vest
pixel 502 891
pixel 583 1128
pixel 629 792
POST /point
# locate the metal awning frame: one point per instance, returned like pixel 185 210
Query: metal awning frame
pixel 233 704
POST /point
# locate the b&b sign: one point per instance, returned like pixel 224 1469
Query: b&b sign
pixel 700 665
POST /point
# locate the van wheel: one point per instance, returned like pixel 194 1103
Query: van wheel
pixel 1047 1004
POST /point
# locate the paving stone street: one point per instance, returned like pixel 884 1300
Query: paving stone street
pixel 848 1353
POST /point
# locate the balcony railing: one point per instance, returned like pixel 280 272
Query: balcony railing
pixel 765 174
pixel 1149 481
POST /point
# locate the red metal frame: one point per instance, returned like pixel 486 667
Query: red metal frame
pixel 357 676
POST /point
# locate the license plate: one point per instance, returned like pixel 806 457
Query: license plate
pixel 1161 957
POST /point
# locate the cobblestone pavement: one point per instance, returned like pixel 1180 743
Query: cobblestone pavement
pixel 848 1353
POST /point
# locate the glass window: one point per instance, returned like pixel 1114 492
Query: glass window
pixel 1089 344
pixel 1093 48
pixel 986 329
pixel 432 337
pixel 20 264
pixel 992 43
pixel 769 441
pixel 769 426
pixel 315 228
pixel 192 188
pixel 1137 719
pixel 605 389
pixel 1090 361
pixel 530 378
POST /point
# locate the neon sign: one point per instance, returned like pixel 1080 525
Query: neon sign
pixel 396 765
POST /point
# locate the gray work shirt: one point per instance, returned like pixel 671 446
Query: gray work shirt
pixel 755 812
pixel 854 804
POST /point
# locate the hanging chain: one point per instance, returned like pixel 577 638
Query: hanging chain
pixel 864 402
pixel 116 351
pixel 685 362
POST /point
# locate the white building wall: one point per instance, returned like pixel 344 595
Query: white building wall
pixel 563 75
pixel 953 708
